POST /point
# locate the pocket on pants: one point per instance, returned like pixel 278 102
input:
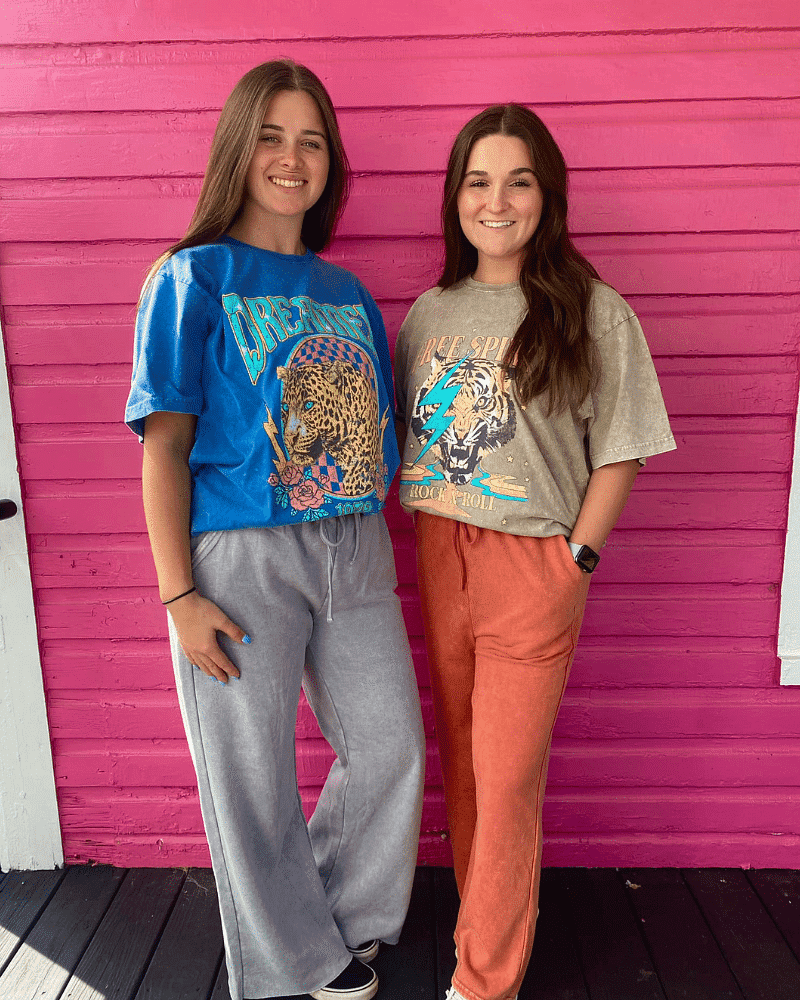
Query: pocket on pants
pixel 203 544
pixel 573 567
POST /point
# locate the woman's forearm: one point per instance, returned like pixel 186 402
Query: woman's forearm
pixel 606 496
pixel 167 494
pixel 167 489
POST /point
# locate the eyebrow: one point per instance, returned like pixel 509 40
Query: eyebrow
pixel 513 173
pixel 305 131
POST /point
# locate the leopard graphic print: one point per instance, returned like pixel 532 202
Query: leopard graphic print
pixel 332 408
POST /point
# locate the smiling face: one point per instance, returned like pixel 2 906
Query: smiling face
pixel 287 173
pixel 499 205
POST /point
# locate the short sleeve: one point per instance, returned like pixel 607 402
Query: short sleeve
pixel 172 325
pixel 629 419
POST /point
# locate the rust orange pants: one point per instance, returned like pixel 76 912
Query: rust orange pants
pixel 502 615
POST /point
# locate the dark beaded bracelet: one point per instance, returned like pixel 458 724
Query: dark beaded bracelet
pixel 184 594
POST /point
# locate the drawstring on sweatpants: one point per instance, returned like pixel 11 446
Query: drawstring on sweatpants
pixel 357 521
pixel 334 543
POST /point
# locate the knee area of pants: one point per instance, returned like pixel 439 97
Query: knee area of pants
pixel 404 757
pixel 532 659
pixel 509 792
pixel 395 750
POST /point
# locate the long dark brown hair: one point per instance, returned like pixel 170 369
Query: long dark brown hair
pixel 552 350
pixel 232 148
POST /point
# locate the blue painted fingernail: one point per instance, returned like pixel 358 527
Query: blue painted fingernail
pixel 246 640
pixel 219 681
pixel 194 665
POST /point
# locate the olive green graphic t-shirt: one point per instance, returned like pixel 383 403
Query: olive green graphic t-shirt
pixel 474 453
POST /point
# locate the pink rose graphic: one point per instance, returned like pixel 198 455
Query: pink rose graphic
pixel 291 474
pixel 306 494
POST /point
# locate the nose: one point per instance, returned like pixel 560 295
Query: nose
pixel 292 157
pixel 496 200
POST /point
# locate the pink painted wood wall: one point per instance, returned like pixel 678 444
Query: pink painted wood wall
pixel 675 746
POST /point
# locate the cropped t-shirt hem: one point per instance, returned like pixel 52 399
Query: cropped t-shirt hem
pixel 199 527
pixel 525 527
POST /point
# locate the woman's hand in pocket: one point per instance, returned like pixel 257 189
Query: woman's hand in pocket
pixel 197 621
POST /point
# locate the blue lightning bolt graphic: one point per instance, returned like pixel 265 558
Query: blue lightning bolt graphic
pixel 439 422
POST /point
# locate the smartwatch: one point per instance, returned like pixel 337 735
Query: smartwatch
pixel 585 557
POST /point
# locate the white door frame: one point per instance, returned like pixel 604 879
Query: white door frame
pixel 789 628
pixel 30 835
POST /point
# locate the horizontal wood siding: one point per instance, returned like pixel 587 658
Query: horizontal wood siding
pixel 681 124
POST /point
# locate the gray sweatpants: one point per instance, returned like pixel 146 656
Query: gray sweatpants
pixel 292 897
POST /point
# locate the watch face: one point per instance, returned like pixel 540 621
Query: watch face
pixel 587 559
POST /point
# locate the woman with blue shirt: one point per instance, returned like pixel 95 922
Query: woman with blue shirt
pixel 262 392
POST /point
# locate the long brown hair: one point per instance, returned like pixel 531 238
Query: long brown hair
pixel 232 148
pixel 552 350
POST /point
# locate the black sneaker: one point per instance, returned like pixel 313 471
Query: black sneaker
pixel 365 952
pixel 357 982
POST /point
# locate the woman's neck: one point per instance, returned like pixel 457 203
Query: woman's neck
pixel 280 236
pixel 496 272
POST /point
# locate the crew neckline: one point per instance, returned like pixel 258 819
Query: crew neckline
pixel 273 253
pixel 484 286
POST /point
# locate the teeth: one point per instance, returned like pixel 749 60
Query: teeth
pixel 282 182
pixel 496 225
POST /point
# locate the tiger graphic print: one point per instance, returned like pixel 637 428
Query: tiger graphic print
pixel 461 425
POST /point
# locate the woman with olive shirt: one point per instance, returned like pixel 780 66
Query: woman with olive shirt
pixel 531 401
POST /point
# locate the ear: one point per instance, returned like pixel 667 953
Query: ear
pixel 334 372
pixel 282 372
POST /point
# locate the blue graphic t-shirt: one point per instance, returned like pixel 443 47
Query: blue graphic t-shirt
pixel 284 361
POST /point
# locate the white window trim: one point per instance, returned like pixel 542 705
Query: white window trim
pixel 789 628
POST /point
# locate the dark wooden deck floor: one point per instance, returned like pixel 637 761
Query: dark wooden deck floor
pixel 648 934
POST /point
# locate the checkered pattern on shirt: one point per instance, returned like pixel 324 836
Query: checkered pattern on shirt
pixel 323 350
pixel 325 469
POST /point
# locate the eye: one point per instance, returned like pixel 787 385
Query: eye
pixel 521 183
pixel 313 144
pixel 478 183
pixel 269 137
pixel 309 404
